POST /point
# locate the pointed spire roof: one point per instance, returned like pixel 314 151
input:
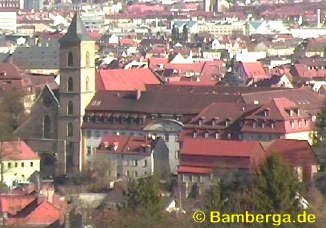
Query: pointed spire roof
pixel 76 32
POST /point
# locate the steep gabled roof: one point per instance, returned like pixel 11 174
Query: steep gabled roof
pixel 44 214
pixel 18 150
pixel 12 204
pixel 294 152
pixel 76 32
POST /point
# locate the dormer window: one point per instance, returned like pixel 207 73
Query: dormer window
pixel 201 120
pixel 206 134
pixel 272 125
pixel 313 118
pixel 291 112
pixel 254 124
pixel 292 124
pixel 299 123
pixel 306 123
pixel 227 122
pixel 229 135
pixel 194 134
pixel 217 135
pixel 263 125
pixel 214 121
pixel 266 113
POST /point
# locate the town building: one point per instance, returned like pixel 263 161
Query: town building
pixel 19 162
pixel 133 156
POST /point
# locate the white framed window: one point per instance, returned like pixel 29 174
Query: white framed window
pixel 299 123
pixel 292 124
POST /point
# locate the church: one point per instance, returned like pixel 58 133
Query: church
pixel 54 126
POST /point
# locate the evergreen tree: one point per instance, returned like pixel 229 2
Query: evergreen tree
pixel 320 134
pixel 215 197
pixel 275 188
pixel 185 33
pixel 143 195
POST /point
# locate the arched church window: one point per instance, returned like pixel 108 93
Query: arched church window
pixel 87 59
pixel 70 84
pixel 46 127
pixel 70 129
pixel 70 108
pixel 70 59
pixel 87 83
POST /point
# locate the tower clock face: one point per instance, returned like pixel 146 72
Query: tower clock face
pixel 47 101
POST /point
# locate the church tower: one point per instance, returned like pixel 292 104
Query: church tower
pixel 77 88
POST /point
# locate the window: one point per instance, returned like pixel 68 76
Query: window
pixel 263 125
pixel 166 137
pixel 206 134
pixel 70 84
pixel 97 134
pixel 87 83
pixel 299 123
pixel 217 135
pixel 89 151
pixel 194 134
pixel 70 129
pixel 22 164
pixel 306 123
pixel 229 135
pixel 88 133
pixel 136 174
pixel 9 165
pixel 176 138
pixel 272 125
pixel 70 108
pixel 145 163
pixel 292 124
pixel 32 164
pixel 70 59
pixel 87 58
pixel 16 164
pixel 177 154
pixel 134 163
pixel 254 124
pixel 46 127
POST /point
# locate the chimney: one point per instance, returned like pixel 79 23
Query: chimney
pixel 138 94
pixel 318 18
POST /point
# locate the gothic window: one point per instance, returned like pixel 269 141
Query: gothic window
pixel 46 127
pixel 70 129
pixel 87 83
pixel 87 59
pixel 70 108
pixel 70 84
pixel 70 59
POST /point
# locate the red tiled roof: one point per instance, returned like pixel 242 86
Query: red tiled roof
pixel 213 147
pixel 44 214
pixel 191 169
pixel 127 42
pixel 124 144
pixel 254 70
pixel 12 204
pixel 294 152
pixel 18 150
pixel 307 72
pixel 126 80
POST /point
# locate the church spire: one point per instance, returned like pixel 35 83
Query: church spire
pixel 76 31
